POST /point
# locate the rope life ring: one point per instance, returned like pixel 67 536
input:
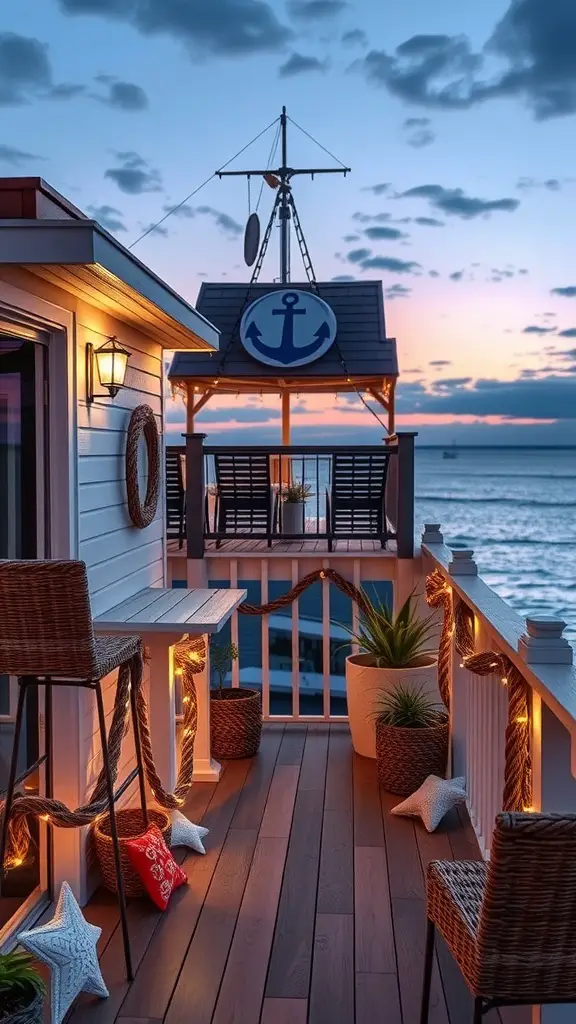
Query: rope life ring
pixel 142 420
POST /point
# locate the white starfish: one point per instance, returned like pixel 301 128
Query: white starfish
pixel 186 833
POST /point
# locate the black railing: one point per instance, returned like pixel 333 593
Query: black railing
pixel 346 492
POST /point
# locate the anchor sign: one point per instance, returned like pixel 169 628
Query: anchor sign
pixel 288 328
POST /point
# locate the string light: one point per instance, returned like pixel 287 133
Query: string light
pixel 504 680
pixel 521 719
pixel 44 817
pixel 186 700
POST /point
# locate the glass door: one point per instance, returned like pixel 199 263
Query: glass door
pixel 22 532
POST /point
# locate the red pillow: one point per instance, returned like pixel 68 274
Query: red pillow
pixel 155 866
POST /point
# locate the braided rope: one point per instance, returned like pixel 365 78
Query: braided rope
pixel 439 595
pixel 142 420
pixel 318 574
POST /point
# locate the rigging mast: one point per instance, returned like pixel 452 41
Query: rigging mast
pixel 285 206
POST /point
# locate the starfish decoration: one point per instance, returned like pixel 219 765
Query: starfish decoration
pixel 67 945
pixel 433 800
pixel 185 833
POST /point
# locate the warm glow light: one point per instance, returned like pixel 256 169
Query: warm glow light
pixel 111 361
pixel 504 681
pixel 44 817
pixel 17 862
pixel 185 700
pixel 528 810
pixel 521 719
pixel 178 672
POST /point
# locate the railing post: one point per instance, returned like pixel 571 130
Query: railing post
pixel 195 491
pixel 405 503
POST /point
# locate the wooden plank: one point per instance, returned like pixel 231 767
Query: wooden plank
pixel 131 605
pixel 242 990
pixel 291 959
pixel 336 882
pixel 284 1011
pixel 313 771
pixel 166 602
pixel 193 601
pixel 368 826
pixel 277 819
pixel 404 866
pixel 378 999
pixel 155 981
pixel 332 989
pixel 211 617
pixel 409 918
pixel 338 794
pixel 292 746
pixel 253 798
pixel 138 1020
pixel 374 935
pixel 197 988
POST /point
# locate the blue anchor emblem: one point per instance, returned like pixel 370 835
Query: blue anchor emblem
pixel 288 352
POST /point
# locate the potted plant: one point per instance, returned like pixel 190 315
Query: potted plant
pixel 235 712
pixel 392 649
pixel 411 739
pixel 22 990
pixel 294 497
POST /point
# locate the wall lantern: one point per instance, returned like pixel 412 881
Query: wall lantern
pixel 111 361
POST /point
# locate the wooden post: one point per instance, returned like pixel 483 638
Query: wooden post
pixel 161 705
pixel 195 495
pixel 285 417
pixel 190 398
pixel 405 521
pixel 392 407
pixel 206 769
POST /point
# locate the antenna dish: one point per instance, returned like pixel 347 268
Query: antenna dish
pixel 251 239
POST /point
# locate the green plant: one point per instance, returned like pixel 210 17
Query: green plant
pixel 20 983
pixel 296 492
pixel 394 641
pixel 409 707
pixel 221 658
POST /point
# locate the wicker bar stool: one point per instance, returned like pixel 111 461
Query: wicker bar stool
pixel 47 639
pixel 510 924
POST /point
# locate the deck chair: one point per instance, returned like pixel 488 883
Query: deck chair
pixel 355 501
pixel 243 494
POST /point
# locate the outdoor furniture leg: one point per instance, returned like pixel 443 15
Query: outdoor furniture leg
pixel 428 964
pixel 114 832
pixel 478 1010
pixel 12 777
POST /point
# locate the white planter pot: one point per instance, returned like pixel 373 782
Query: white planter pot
pixel 293 517
pixel 365 685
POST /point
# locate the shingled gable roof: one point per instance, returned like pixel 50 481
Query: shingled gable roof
pixel 361 338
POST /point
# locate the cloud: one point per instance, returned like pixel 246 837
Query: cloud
pixel 108 216
pixel 368 218
pixel 350 238
pixel 457 275
pixel 380 233
pixel 570 332
pixel 429 222
pixel 541 398
pixel 223 221
pixel 530 55
pixel 358 255
pixel 315 10
pixel 134 176
pixel 455 203
pixel 344 277
pixel 299 64
pixel 155 229
pixel 440 362
pixel 26 72
pixel 433 273
pixel 378 190
pixel 417 132
pixel 391 264
pixel 355 37
pixel 122 95
pixel 218 28
pixel 398 291
pixel 16 157
pixel 528 184
pixel 566 293
pixel 537 329
pixel 451 382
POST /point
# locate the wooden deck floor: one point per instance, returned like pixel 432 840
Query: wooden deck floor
pixel 307 908
pixel 314 545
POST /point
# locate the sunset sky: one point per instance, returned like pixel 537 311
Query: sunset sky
pixel 458 121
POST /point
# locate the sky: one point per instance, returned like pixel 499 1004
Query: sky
pixel 457 120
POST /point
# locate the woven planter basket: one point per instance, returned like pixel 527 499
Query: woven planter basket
pixel 406 757
pixel 130 823
pixel 235 723
pixel 31 1014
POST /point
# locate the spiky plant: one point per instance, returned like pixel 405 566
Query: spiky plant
pixel 296 492
pixel 394 641
pixel 409 707
pixel 20 983
pixel 221 658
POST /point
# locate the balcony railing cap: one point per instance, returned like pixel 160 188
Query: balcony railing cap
pixel 462 562
pixel 432 534
pixel 543 643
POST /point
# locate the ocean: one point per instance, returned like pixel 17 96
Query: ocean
pixel 516 508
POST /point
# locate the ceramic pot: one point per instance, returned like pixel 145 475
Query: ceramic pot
pixel 293 517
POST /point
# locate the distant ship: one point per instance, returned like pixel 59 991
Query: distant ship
pixel 450 453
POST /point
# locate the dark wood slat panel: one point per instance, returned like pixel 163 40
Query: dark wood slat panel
pixel 197 989
pixel 404 866
pixel 378 999
pixel 338 796
pixel 291 960
pixel 284 1011
pixel 277 818
pixel 255 793
pixel 410 929
pixel 374 936
pixel 313 770
pixel 332 989
pixel 368 826
pixel 157 977
pixel 433 845
pixel 292 746
pixel 242 991
pixel 336 884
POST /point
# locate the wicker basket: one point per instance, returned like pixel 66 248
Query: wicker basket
pixel 406 757
pixel 31 1014
pixel 235 723
pixel 130 823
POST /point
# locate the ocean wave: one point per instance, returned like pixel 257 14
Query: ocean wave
pixel 466 500
pixel 515 476
pixel 484 542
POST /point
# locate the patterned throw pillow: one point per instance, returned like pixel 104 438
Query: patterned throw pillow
pixel 155 866
pixel 433 800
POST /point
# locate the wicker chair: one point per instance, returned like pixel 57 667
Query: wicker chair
pixel 510 924
pixel 47 638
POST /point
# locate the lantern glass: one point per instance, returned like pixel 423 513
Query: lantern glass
pixel 111 361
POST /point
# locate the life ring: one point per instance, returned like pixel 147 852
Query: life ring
pixel 142 420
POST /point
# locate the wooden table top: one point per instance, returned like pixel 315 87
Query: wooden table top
pixel 174 610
